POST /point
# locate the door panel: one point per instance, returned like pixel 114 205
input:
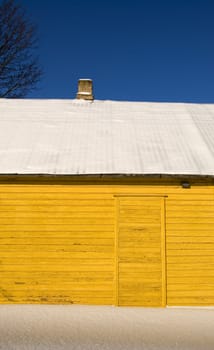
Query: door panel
pixel 141 251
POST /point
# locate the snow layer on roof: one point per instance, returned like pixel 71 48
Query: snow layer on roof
pixel 105 137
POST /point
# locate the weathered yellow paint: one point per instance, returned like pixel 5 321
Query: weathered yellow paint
pixel 78 240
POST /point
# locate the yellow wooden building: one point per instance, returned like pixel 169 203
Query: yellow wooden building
pixel 105 202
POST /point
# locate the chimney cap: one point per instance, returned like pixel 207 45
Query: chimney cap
pixel 85 89
pixel 85 79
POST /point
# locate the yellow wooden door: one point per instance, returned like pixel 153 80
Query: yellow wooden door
pixel 140 251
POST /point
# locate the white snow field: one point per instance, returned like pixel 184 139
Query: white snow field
pixel 41 327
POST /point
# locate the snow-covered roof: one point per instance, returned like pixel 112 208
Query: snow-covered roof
pixel 105 137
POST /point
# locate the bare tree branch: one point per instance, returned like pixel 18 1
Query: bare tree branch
pixel 19 68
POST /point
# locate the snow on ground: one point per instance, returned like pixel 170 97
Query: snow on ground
pixel 37 327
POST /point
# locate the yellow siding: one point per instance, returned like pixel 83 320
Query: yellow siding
pixel 55 246
pixel 57 238
pixel 190 251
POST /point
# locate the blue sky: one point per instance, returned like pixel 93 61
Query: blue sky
pixel 146 50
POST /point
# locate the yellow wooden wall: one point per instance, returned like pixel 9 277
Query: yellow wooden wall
pixel 57 238
pixel 190 248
